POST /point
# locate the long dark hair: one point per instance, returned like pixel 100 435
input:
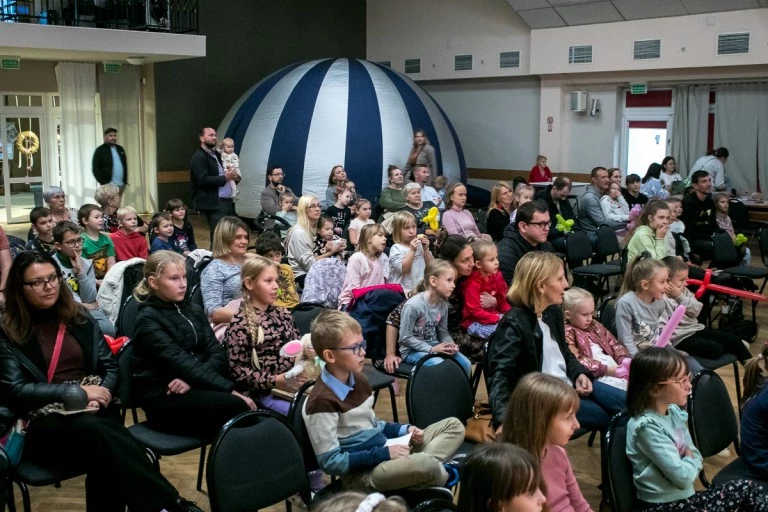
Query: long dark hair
pixel 451 246
pixel 494 474
pixel 649 210
pixel 648 368
pixel 654 171
pixel 17 320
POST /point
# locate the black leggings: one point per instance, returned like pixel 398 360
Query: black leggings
pixel 198 412
pixel 713 343
pixel 118 470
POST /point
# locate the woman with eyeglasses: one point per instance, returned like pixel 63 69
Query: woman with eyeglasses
pixel 300 239
pixel 50 348
pixel 665 461
pixel 531 338
pixel 57 203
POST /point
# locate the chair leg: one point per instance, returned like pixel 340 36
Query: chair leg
pixel 375 397
pixel 394 402
pixel 591 440
pixel 135 415
pixel 200 469
pixel 10 498
pixel 25 496
pixel 153 458
pixel 476 379
pixel 738 385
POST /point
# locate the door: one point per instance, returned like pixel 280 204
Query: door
pixel 23 161
pixel 646 142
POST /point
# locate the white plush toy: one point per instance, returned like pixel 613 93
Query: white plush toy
pixel 307 364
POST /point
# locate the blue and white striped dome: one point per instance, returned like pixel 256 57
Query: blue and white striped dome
pixel 309 117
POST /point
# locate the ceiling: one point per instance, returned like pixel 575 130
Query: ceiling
pixel 563 13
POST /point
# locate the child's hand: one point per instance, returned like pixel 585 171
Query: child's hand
pixel 337 231
pixel 446 347
pixel 487 301
pixel 414 245
pixel 398 451
pixel 661 232
pixel 391 363
pixel 424 241
pixel 417 435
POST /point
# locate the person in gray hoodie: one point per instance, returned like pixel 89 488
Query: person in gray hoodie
pixel 591 215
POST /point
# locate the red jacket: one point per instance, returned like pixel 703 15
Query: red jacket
pixel 129 246
pixel 474 285
pixel 540 176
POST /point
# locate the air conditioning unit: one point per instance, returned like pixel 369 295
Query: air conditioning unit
pixel 578 101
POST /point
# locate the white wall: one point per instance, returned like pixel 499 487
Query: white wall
pixel 496 120
pixel 437 30
pixel 686 42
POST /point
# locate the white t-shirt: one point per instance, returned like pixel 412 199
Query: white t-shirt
pixel 713 166
pixel 430 194
pixel 359 224
pixel 397 254
pixel 553 362
pixel 668 179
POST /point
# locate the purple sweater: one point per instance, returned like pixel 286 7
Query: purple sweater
pixel 460 222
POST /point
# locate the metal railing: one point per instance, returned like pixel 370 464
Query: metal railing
pixel 172 16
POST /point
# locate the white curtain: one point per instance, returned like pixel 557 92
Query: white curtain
pixel 80 133
pixel 740 109
pixel 120 105
pixel 689 126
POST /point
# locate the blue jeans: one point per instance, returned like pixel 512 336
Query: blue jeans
pixel 415 357
pixel 597 409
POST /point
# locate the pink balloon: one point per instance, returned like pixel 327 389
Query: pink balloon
pixel 672 323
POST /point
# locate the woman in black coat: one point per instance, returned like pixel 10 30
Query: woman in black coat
pixel 35 375
pixel 181 372
pixel 531 338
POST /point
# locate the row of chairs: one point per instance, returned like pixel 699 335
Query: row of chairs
pixel 709 400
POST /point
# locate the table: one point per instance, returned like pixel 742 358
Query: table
pixel 758 209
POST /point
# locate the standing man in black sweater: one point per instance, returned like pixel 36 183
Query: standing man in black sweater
pixel 109 163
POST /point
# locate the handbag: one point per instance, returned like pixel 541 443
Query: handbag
pixel 479 427
pixel 13 442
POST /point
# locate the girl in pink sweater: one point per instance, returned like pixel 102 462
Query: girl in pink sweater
pixel 369 265
pixel 456 219
pixel 544 401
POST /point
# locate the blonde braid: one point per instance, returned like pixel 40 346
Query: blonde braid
pixel 255 330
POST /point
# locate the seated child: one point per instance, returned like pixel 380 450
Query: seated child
pixel 410 253
pixel 641 311
pixel 690 336
pixel 97 246
pixel 287 212
pixel 77 272
pixel 326 239
pixel 129 243
pixel 665 461
pixel 269 246
pixel 339 212
pixel 183 238
pixel 485 278
pixel 677 244
pixel 523 194
pixel 349 186
pixel 632 194
pixel 162 229
pixel 440 183
pixel 362 219
pixel 42 228
pixel 347 438
pixel 368 266
pixel 592 344
pixel 108 197
pixel 724 222
pixel 424 322
pixel 614 206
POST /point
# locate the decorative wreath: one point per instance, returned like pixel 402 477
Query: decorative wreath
pixel 27 143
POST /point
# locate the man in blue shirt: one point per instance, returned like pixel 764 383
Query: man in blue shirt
pixel 109 164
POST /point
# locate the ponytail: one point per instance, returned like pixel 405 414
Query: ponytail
pixel 640 269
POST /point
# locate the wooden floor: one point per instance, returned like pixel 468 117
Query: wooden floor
pixel 181 470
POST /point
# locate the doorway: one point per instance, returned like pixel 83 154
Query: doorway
pixel 645 141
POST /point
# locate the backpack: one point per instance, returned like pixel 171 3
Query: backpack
pixel 732 319
pixel 371 311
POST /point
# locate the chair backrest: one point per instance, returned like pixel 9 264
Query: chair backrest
pixel 132 275
pixel 621 484
pixel 299 428
pixel 607 241
pixel 739 214
pixel 125 370
pixel 724 253
pixel 711 418
pixel 303 314
pixel 255 462
pixel 435 505
pixel 126 318
pixel 607 315
pixel 578 249
pixel 763 242
pixel 196 296
pixel 438 391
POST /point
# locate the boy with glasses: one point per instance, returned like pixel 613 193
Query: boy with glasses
pixel 77 272
pixel 349 440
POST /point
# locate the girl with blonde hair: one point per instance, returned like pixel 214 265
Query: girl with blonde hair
pixel 531 338
pixel 368 266
pixel 180 370
pixel 300 239
pixel 499 210
pixel 255 335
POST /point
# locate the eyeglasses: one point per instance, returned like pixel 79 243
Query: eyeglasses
pixel 59 196
pixel 681 381
pixel 75 242
pixel 356 349
pixel 541 225
pixel 314 206
pixel 39 285
pixel 277 174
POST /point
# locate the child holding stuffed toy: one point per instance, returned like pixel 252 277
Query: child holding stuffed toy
pixel 592 344
pixel 255 335
pixel 485 278
pixel 724 222
pixel 410 253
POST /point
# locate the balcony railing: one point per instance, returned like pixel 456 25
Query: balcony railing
pixel 173 16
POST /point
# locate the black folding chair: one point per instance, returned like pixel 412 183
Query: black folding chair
pixel 621 483
pixel 255 462
pixel 607 315
pixel 156 443
pixel 714 426
pixel 594 276
pixel 126 318
pixel 726 258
